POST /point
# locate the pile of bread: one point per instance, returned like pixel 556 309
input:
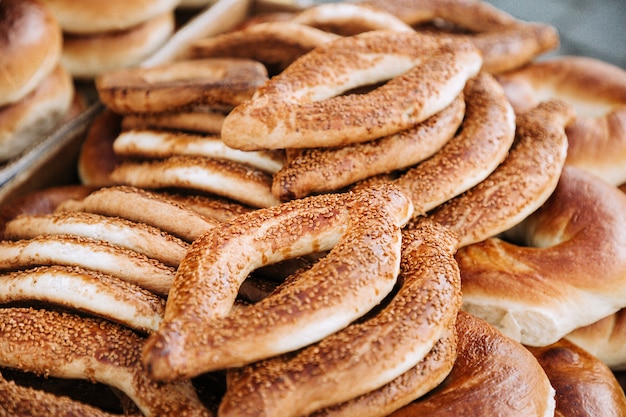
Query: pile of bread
pixel 384 208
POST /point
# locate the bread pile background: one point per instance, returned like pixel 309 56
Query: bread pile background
pixel 180 243
pixel 36 90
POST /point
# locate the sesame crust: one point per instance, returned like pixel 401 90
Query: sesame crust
pixel 519 185
pixel 199 334
pixel 301 107
pixel 489 368
pixel 221 177
pixel 65 345
pixel 365 356
pixel 482 143
pixel 144 206
pixel 315 170
pixel 86 291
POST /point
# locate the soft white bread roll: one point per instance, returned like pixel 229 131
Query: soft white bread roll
pixel 89 17
pixel 86 56
pixel 30 46
pixel 24 122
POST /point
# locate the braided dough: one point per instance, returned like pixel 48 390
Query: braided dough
pixel 316 170
pixel 569 274
pixel 597 90
pixel 362 232
pixel 302 106
pixel 65 345
pixel 367 355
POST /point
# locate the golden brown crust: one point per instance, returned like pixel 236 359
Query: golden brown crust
pixel 16 399
pixel 486 135
pixel 505 43
pixel 198 333
pixel 568 274
pixel 139 237
pixel 26 121
pixel 65 345
pixel 347 19
pixel 597 90
pixel 605 339
pixel 364 356
pixel 200 120
pixel 96 17
pixel 219 82
pixel 89 253
pixel 519 185
pixel 275 43
pixel 414 383
pixel 584 385
pixel 83 290
pixel 158 144
pixel 162 211
pixel 492 376
pixel 86 56
pixel 239 182
pixel 40 202
pixel 301 107
pixel 30 41
pixel 315 170
pixel 96 158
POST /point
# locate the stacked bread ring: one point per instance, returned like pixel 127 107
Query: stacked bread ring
pixel 245 253
pixel 102 36
pixel 36 91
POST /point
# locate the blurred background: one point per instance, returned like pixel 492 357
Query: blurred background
pixel 595 28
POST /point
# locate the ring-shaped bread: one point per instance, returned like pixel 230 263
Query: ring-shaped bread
pixel 304 106
pixel 237 181
pixel 65 345
pixel 276 44
pixel 492 373
pixel 314 170
pixel 366 355
pixel 597 90
pixel 218 82
pixel 483 142
pixel 567 271
pixel 78 17
pixel 31 42
pixel 86 291
pixel 584 385
pixel 347 19
pixel 505 42
pixel 362 232
pixel 519 185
